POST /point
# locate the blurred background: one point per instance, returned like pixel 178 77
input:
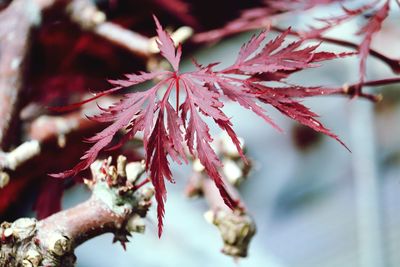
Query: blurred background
pixel 315 203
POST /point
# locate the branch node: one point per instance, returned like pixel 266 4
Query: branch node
pixel 23 228
pixel 32 258
pixel 86 14
pixel 136 224
pixel 4 179
pixel 20 155
pixel 59 244
pixel 134 170
pixel 121 166
pixel 236 228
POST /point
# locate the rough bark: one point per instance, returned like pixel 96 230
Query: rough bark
pixel 116 206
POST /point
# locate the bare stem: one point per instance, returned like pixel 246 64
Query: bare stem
pixel 350 90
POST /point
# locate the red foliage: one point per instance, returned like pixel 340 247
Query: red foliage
pixel 179 9
pixel 11 193
pixel 49 199
pixel 372 26
pixel 259 17
pixel 167 130
pixel 375 12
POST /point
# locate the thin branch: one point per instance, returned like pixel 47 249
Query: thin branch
pixel 12 160
pixel 345 90
pixel 382 82
pixel 86 14
pixel 47 127
pixel 350 90
pixel 20 155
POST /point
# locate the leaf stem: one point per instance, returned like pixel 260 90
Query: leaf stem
pixel 177 94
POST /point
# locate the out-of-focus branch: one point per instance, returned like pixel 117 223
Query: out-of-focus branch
pixel 43 129
pixel 47 127
pixel 235 226
pixel 115 206
pixel 49 135
pixel 90 18
pixel 15 158
pixel 17 22
pixel 86 14
pixel 20 155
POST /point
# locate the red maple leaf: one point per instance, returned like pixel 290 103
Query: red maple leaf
pixel 373 25
pixel 259 17
pixel 167 130
pixel 370 28
pixel 375 12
